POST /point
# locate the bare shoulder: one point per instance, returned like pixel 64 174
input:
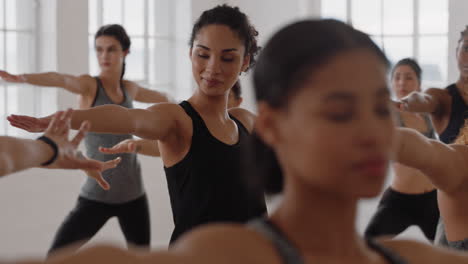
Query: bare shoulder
pixel 172 112
pixel 88 84
pixel 170 109
pixel 246 117
pixel 441 94
pixel 417 252
pixel 223 243
pixel 131 87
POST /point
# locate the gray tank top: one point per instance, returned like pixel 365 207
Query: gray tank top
pixel 291 255
pixel 430 133
pixel 125 180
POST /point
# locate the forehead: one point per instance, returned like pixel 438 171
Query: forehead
pixel 404 69
pixel 357 72
pixel 106 41
pixel 218 37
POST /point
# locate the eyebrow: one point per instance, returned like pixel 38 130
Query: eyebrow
pixel 339 96
pixel 349 97
pixel 224 50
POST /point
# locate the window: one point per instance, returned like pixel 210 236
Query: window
pixel 150 27
pixel 402 28
pixel 17 55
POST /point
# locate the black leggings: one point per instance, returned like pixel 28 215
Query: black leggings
pixel 88 216
pixel 397 211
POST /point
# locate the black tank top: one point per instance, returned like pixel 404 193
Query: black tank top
pixel 458 114
pixel 206 185
pixel 291 255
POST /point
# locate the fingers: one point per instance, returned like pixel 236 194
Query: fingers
pixel 54 123
pixel 81 133
pixel 63 126
pixel 30 124
pixel 119 148
pixel 102 182
pixel 87 164
pixel 10 77
pixel 112 163
pixel 96 175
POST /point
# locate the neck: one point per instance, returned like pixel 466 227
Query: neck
pixel 319 223
pixel 211 106
pixel 462 84
pixel 111 79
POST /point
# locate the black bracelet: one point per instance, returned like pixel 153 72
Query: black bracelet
pixel 51 143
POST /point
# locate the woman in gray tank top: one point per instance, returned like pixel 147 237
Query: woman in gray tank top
pixel 126 198
pixel 411 198
pixel 324 140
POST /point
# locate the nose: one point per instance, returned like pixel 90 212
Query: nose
pixel 373 132
pixel 213 66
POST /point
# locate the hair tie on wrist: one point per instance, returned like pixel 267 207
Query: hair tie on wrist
pixel 54 146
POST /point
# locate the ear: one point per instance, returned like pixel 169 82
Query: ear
pixel 126 52
pixel 246 63
pixel 190 54
pixel 265 124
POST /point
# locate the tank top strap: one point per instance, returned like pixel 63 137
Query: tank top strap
pixel 124 91
pixel 400 119
pixel 457 100
pixel 285 248
pixel 386 253
pixel 99 90
pixel 431 130
pixel 198 123
pixel 241 128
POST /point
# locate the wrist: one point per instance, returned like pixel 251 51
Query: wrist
pixel 52 145
pixel 23 78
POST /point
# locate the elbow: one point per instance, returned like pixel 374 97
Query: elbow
pixel 6 165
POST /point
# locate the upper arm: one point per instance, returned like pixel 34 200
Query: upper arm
pixel 224 243
pixel 156 122
pixel 445 165
pixel 246 117
pixel 440 99
pixel 417 252
pixel 82 84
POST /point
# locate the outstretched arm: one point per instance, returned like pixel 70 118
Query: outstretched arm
pixel 140 146
pixel 75 84
pixel 155 122
pixel 445 165
pixel 54 151
pixel 429 101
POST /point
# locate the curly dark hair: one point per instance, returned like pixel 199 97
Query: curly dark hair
pixel 237 90
pixel 236 21
pixel 463 34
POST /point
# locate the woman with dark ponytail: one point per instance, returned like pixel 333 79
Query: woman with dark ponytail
pixel 126 199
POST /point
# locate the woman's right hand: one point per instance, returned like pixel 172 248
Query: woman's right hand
pixel 29 123
pixel 126 146
pixel 11 77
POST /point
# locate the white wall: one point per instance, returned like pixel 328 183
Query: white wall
pixel 457 23
pixel 34 202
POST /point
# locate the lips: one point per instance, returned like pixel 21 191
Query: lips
pixel 211 82
pixel 373 167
